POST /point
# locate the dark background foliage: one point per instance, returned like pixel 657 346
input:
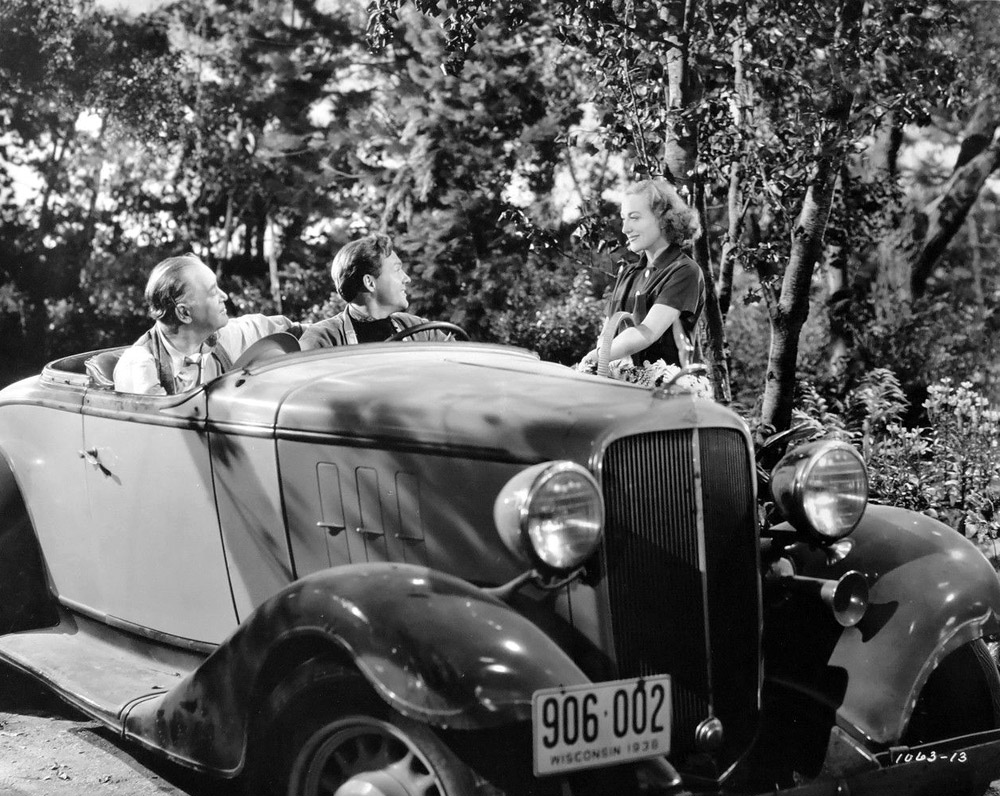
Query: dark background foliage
pixel 842 157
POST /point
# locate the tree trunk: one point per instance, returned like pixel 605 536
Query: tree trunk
pixel 271 243
pixel 791 309
pixel 741 108
pixel 944 216
pixel 39 282
pixel 680 156
pixel 838 304
pixel 839 295
pixel 976 263
pixel 727 260
pixel 863 271
pixel 227 237
pixel 936 224
pixel 789 312
pixel 716 345
pixel 680 147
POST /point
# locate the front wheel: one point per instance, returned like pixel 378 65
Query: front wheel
pixel 325 733
pixel 962 696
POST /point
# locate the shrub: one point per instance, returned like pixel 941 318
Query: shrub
pixel 948 469
pixel 561 329
pixel 933 339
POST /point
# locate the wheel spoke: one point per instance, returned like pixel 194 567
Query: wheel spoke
pixel 367 750
pixel 342 761
pixel 353 743
pixel 379 754
pixel 411 770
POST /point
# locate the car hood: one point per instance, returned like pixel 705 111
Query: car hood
pixel 476 400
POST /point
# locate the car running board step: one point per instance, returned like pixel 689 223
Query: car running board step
pixel 96 669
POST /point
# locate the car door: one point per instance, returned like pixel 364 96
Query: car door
pixel 153 514
pixel 42 437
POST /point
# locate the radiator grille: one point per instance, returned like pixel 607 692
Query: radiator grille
pixel 684 596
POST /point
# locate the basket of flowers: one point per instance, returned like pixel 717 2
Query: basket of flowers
pixel 658 374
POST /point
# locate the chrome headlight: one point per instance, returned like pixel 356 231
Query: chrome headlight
pixel 822 489
pixel 551 514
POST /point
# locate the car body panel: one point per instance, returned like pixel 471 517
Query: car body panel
pixel 386 502
pixel 430 398
pixel 96 667
pixel 931 591
pixel 340 503
pixel 432 646
pixel 153 517
pixel 248 496
pixel 48 468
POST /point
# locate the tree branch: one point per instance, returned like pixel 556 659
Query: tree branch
pixel 945 215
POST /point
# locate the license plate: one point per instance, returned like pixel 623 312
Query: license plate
pixel 600 724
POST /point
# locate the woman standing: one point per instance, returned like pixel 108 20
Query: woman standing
pixel 664 291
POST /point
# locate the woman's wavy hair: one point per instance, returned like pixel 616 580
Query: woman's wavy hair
pixel 677 219
pixel 166 287
pixel 355 260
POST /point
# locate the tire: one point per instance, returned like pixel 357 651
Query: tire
pixel 325 732
pixel 961 696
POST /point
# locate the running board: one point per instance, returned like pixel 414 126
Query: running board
pixel 99 670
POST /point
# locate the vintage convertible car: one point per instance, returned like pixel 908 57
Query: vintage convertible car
pixel 451 568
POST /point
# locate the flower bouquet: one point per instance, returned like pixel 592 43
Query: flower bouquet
pixel 656 374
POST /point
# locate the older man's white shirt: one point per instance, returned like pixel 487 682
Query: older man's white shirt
pixel 136 370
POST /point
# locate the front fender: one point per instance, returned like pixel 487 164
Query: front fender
pixel 931 591
pixel 435 647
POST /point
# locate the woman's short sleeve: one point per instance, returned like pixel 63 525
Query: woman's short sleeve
pixel 683 288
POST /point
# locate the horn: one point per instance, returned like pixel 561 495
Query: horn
pixel 846 597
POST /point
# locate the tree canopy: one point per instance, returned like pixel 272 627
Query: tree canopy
pixel 842 156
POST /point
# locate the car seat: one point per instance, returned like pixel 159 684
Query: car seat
pixel 101 369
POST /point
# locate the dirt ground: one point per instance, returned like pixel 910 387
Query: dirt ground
pixel 47 749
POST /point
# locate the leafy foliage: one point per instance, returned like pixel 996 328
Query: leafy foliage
pixel 948 469
pixel 267 134
pixel 449 196
pixel 558 329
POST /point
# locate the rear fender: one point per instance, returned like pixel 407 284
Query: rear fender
pixel 26 601
pixel 434 647
pixel 931 591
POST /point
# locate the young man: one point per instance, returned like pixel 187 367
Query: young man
pixel 193 339
pixel 369 276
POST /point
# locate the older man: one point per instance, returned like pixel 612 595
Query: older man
pixel 370 277
pixel 193 339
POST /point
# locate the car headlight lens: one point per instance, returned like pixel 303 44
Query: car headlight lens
pixel 552 514
pixel 822 489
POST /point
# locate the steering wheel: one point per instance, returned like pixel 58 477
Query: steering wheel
pixel 427 326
